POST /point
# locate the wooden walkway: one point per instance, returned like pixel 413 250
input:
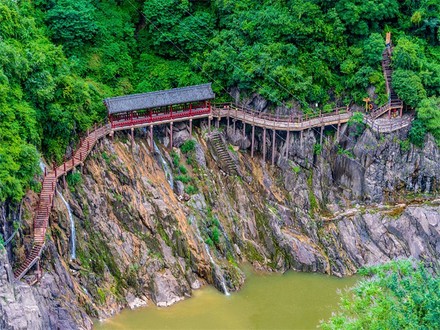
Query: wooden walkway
pixel 281 123
pixel 41 218
pixel 245 115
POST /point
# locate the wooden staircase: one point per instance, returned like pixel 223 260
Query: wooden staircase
pixel 41 218
pixel 222 153
pixel 394 103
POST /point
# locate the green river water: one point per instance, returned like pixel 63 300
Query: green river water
pixel 267 301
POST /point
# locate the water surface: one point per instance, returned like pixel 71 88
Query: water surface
pixel 267 301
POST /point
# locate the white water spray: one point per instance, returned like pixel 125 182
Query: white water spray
pixel 217 269
pixel 72 228
pixel 165 167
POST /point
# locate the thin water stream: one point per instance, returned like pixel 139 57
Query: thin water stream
pixel 72 228
pixel 165 167
pixel 217 269
pixel 267 301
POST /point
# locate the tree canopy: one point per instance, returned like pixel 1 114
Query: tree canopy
pixel 60 58
pixel 397 295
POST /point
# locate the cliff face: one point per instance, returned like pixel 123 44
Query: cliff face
pixel 139 241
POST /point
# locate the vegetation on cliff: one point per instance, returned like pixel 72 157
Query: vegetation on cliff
pixel 60 58
pixel 396 295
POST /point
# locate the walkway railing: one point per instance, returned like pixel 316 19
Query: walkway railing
pixel 282 122
pixel 41 219
pixel 388 127
pixel 144 120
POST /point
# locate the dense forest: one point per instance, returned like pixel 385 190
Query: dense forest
pixel 60 58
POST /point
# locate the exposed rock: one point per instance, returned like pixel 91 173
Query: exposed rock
pixel 317 211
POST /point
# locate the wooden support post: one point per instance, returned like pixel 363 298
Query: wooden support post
pixel 337 131
pixel 401 112
pixel 209 124
pixel 273 147
pixel 190 127
pixel 301 139
pixel 389 113
pixel 171 136
pixel 264 143
pixel 244 129
pixel 252 143
pixel 217 123
pixel 320 138
pixel 287 144
pixel 227 125
pixel 151 138
pixel 64 181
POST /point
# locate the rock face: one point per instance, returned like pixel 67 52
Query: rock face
pixel 330 209
pixel 18 307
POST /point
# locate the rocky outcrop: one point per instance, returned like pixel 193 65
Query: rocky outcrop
pixel 320 210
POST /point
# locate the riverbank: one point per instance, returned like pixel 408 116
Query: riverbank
pixel 267 301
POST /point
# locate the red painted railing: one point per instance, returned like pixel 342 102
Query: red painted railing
pixel 129 121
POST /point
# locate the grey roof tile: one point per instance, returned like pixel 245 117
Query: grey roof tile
pixel 160 98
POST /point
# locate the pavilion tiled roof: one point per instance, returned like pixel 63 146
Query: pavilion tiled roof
pixel 159 99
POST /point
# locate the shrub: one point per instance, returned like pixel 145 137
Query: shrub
pixel 317 149
pixel 74 178
pixel 188 146
pixel 345 152
pixel 398 295
pixel 357 121
pixel 209 242
pixel 190 190
pixel 183 178
pixel 215 235
pixel 183 169
pixel 405 145
pixel 176 159
pixel 417 133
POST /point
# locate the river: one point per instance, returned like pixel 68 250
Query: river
pixel 267 301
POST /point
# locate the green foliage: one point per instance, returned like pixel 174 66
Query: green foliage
pixel 405 145
pixel 408 86
pixel 190 190
pixel 209 242
pixel 74 179
pixel 428 112
pixel 2 243
pixel 317 149
pixel 397 295
pixel 345 152
pixel 183 178
pixel 60 58
pixel 357 121
pixel 72 22
pixel 215 235
pixel 417 133
pixel 176 159
pixel 188 146
pixel 183 169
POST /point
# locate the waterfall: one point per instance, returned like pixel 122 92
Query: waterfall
pixel 72 228
pixel 217 269
pixel 165 167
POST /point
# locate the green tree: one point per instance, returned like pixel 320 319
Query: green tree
pixel 72 22
pixel 428 112
pixel 397 295
pixel 408 87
